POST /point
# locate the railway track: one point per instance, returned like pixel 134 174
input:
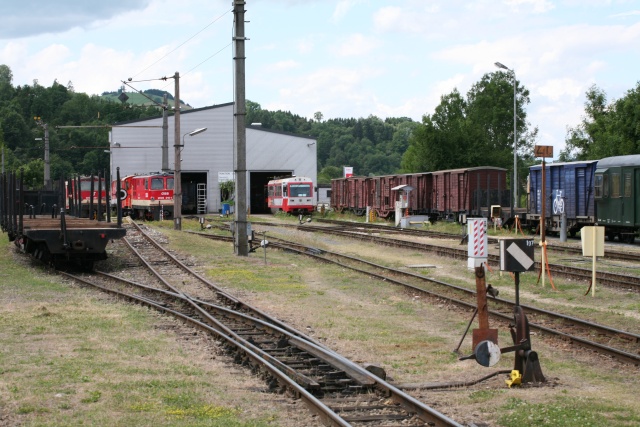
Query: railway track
pixel 604 278
pixel 341 392
pixel 623 346
pixel 610 253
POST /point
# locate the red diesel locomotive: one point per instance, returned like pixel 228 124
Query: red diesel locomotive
pixel 148 197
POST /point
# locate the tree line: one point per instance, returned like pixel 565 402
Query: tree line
pixel 464 130
pixel 73 151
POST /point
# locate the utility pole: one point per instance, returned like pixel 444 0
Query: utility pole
pixel 240 153
pixel 177 182
pixel 47 162
pixel 165 134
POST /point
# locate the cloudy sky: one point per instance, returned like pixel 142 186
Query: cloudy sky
pixel 344 58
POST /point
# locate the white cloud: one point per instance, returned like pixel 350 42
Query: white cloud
pixel 282 66
pixel 537 6
pixel 557 89
pixel 357 45
pixel 342 9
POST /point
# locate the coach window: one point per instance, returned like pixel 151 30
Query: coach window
pixel 598 186
pixel 627 184
pixel 157 184
pixel 615 185
pixel 605 185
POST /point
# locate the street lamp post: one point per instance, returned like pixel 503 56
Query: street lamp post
pixel 177 182
pixel 515 139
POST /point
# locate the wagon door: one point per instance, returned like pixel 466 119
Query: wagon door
pixel 628 205
pixel 635 192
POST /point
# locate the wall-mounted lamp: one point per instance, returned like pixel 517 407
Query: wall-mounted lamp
pixel 310 144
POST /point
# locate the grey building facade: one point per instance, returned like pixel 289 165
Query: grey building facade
pixel 208 157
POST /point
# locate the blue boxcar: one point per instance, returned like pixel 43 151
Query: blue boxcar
pixel 569 188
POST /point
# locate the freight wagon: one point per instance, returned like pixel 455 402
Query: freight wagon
pixel 569 191
pixel 441 194
pixel 58 238
pixel 602 192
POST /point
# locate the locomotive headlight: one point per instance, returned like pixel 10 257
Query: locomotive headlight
pixel 152 199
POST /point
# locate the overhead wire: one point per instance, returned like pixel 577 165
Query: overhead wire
pixel 183 43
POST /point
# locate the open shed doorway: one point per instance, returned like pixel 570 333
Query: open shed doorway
pixel 257 189
pixel 190 194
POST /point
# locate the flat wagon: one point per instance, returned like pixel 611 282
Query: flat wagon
pixel 58 239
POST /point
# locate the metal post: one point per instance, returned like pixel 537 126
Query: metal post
pixel 47 162
pixel 177 182
pixel 165 134
pixel 543 220
pixel 515 147
pixel 241 238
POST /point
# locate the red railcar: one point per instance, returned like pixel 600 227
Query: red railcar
pixel 291 195
pixel 147 197
pixel 85 196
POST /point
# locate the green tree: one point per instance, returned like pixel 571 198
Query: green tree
pixel 328 173
pixel 607 129
pixel 476 130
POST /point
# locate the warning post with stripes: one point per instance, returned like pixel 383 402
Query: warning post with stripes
pixel 477 242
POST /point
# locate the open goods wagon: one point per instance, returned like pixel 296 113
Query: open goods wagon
pixel 57 238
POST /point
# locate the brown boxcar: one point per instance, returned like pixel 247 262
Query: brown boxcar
pixel 469 191
pixel 442 194
pixel 350 195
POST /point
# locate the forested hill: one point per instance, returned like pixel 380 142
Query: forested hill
pixel 372 146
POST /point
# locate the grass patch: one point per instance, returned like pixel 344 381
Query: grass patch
pixel 567 412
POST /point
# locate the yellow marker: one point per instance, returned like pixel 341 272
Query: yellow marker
pixel 514 379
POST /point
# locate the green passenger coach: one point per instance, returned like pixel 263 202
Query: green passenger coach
pixel 617 196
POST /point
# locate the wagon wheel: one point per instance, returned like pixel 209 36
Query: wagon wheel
pixel 611 236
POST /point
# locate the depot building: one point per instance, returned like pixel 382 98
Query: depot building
pixel 207 158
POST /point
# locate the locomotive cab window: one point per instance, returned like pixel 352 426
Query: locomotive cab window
pixel 157 183
pixel 300 190
pixel 169 183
